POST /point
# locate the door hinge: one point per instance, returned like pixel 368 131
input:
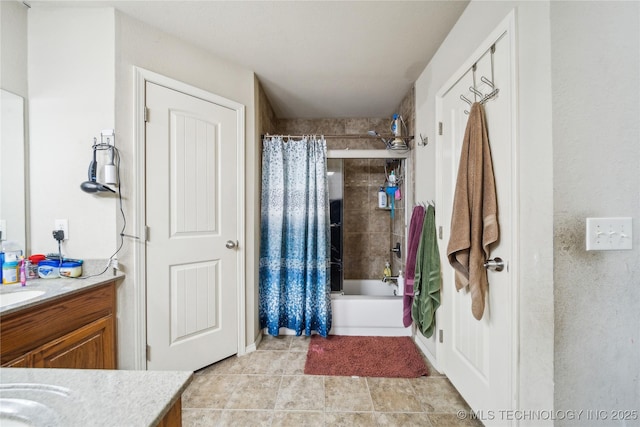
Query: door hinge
pixel 146 233
pixel 440 232
pixel 146 114
pixel 148 353
pixel 439 128
pixel 440 335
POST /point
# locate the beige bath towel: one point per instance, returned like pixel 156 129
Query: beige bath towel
pixel 474 223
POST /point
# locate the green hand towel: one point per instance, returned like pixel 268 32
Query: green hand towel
pixel 426 298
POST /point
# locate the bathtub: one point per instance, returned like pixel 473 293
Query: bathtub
pixel 367 307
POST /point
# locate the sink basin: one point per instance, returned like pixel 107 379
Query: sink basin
pixel 32 404
pixel 18 296
pixel 24 412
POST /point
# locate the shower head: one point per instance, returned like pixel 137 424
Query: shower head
pixel 397 144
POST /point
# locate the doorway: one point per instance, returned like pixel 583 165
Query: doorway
pixel 192 146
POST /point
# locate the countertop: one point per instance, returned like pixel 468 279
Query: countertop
pixel 87 397
pixel 64 286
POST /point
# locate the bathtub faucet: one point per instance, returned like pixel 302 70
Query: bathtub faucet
pixel 386 279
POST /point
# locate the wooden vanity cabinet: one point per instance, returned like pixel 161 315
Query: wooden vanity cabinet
pixel 76 331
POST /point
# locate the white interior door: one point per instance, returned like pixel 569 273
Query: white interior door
pixel 192 215
pixel 478 355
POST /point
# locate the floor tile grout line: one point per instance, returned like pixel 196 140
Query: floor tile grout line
pixel 373 406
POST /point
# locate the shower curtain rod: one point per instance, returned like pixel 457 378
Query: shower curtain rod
pixel 342 136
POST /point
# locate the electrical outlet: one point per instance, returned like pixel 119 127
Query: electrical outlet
pixel 609 234
pixel 62 224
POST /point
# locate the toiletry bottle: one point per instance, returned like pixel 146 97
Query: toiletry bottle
pixel 392 179
pixel 400 291
pixel 387 269
pixel 9 272
pixel 23 271
pixel 382 198
pixel 395 129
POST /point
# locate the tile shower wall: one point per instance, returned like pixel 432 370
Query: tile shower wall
pixel 399 225
pixel 266 115
pixel 366 232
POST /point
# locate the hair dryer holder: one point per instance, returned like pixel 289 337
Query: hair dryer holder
pixel 92 185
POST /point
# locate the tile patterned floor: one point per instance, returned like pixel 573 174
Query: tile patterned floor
pixel 268 388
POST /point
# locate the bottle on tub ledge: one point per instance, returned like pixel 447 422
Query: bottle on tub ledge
pixel 400 282
pixel 387 269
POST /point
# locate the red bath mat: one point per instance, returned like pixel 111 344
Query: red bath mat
pixel 388 357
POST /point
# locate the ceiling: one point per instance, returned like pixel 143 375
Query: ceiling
pixel 314 58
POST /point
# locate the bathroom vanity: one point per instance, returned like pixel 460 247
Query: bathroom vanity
pixel 70 323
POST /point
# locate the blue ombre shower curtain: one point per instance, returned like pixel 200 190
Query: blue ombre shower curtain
pixel 295 289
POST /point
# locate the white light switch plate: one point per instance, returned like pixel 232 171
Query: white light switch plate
pixel 609 234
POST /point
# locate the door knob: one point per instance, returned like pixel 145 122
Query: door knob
pixel 496 264
pixel 231 244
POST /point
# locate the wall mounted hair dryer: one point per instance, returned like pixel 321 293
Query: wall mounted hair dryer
pixel 93 186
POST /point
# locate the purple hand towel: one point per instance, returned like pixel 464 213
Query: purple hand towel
pixel 415 231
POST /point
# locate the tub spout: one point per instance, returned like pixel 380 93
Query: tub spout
pixel 386 279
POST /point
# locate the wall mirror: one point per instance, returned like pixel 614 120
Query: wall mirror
pixel 12 167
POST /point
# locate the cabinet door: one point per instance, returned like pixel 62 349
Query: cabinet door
pixel 173 418
pixel 20 362
pixel 90 347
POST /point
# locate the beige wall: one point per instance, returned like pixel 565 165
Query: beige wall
pixel 596 173
pixel 13 47
pixel 71 99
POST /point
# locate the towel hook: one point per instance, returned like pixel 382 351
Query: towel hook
pixel 476 92
pixel 486 81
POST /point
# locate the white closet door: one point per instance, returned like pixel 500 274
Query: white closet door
pixel 192 281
